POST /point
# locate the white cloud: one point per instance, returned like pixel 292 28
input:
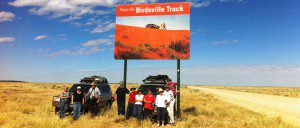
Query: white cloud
pixel 231 1
pixel 226 42
pixel 247 75
pixel 89 47
pixel 60 8
pixel 141 1
pixel 97 42
pixel 197 4
pixel 6 16
pixel 7 39
pixel 41 37
pixel 104 27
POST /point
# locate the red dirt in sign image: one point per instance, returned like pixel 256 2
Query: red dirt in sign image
pixel 149 43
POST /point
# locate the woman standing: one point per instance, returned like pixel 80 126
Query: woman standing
pixel 138 106
pixel 149 100
pixel 161 104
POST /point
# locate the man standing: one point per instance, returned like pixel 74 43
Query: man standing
pixel 160 103
pixel 170 101
pixel 94 94
pixel 64 102
pixel 77 101
pixel 121 95
pixel 131 102
pixel 149 100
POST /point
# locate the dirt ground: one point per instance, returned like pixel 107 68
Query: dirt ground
pixel 285 107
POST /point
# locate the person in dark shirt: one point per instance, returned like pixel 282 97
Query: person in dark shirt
pixel 121 94
pixel 131 102
pixel 77 101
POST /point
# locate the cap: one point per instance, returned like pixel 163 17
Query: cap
pixel 78 88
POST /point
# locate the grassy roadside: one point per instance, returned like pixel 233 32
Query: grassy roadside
pixel 29 105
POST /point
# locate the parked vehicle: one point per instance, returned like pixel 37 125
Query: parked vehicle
pixel 154 83
pixel 106 99
pixel 152 26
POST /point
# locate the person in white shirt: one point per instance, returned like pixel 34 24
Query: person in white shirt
pixel 94 94
pixel 170 101
pixel 138 105
pixel 161 104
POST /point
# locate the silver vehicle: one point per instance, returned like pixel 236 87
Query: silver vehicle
pixel 106 98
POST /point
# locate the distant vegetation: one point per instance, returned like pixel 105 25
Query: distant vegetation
pixel 11 81
pixel 279 91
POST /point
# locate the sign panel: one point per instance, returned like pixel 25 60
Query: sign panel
pixel 153 31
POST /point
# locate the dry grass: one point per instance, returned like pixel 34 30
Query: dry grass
pixel 29 105
pixel 279 91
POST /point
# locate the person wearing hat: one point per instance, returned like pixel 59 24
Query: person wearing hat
pixel 131 102
pixel 121 97
pixel 77 101
pixel 161 104
pixel 94 95
pixel 168 93
pixel 138 105
pixel 149 100
pixel 64 102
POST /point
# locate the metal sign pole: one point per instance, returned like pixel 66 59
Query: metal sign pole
pixel 125 78
pixel 178 88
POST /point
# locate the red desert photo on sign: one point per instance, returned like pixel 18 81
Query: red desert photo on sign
pixel 157 35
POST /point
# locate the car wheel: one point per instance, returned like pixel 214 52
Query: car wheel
pixel 56 111
pixel 108 105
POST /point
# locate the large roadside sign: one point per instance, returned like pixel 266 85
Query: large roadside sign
pixel 153 31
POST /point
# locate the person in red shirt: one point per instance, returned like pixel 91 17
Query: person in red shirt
pixel 131 102
pixel 149 101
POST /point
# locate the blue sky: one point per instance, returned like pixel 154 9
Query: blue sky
pixel 233 42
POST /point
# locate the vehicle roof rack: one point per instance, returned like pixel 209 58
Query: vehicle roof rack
pixel 96 79
pixel 159 79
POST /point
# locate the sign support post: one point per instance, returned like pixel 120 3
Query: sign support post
pixel 178 88
pixel 125 79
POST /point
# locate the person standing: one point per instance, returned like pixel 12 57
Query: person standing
pixel 138 105
pixel 64 102
pixel 94 94
pixel 121 97
pixel 77 101
pixel 131 102
pixel 149 100
pixel 164 26
pixel 161 103
pixel 170 104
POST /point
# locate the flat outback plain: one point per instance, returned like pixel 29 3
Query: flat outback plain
pixel 29 105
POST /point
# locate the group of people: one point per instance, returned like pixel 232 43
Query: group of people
pixel 146 106
pixel 78 99
pixel 140 106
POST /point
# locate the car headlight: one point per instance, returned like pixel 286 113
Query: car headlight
pixel 56 98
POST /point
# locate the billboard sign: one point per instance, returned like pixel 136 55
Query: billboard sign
pixel 153 31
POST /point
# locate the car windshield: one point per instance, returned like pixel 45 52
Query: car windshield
pixel 84 87
pixel 154 89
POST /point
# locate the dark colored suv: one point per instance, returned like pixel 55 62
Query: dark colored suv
pixel 106 99
pixel 152 26
pixel 156 82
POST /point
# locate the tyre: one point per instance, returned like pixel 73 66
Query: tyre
pixel 108 105
pixel 56 111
